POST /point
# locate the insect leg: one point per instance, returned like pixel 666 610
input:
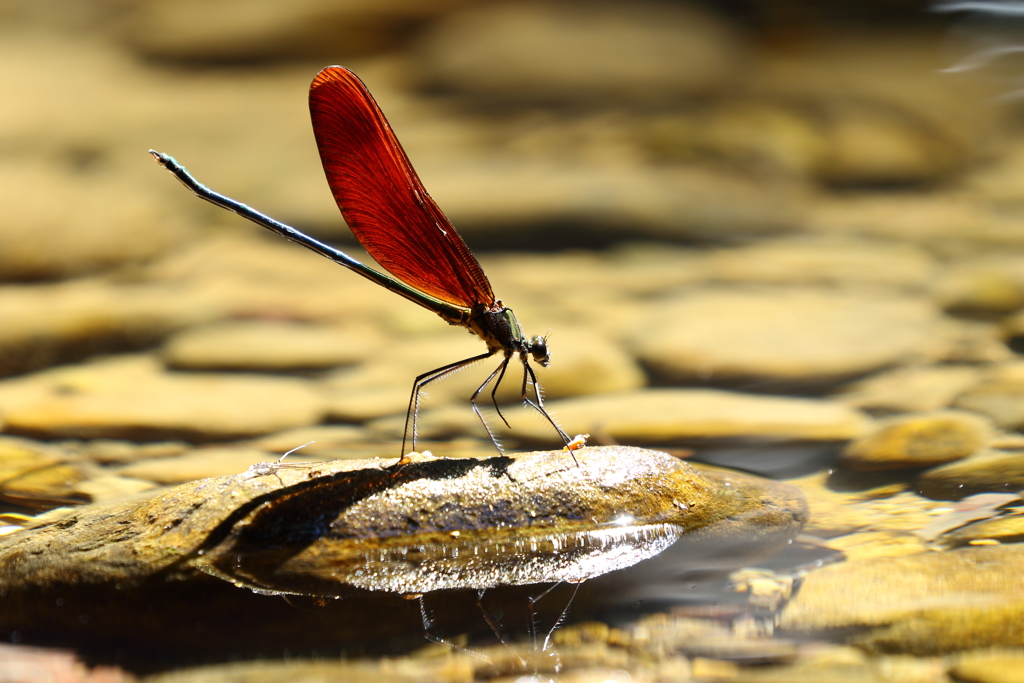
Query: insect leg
pixel 412 414
pixel 499 372
pixel 529 376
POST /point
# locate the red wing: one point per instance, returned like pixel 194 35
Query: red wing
pixel 381 196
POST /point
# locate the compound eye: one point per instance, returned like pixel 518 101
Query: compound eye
pixel 539 350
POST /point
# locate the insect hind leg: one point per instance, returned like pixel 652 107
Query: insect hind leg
pixel 412 413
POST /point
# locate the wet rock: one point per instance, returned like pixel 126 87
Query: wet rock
pixel 987 284
pixel 377 505
pixel 132 397
pixel 853 141
pixel 311 29
pixel 1000 395
pixel 42 476
pixel 837 511
pixel 946 224
pixel 269 346
pixel 103 218
pixel 670 416
pixel 103 488
pixel 787 335
pixel 245 275
pixel 989 666
pixel 64 322
pixel 199 463
pixel 320 439
pixel 20 456
pixel 988 471
pixel 999 529
pixel 431 522
pixel 417 537
pixel 871 143
pixel 114 452
pixel 810 261
pixel 910 389
pixel 917 441
pixel 890 84
pixel 924 604
pixel 981 506
pixel 639 51
pixel 49 486
pixel 676 203
pixel 865 545
pixel 656 635
pixel 828 663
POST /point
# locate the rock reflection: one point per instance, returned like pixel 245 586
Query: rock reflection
pixel 438 525
pixel 477 541
pixel 462 524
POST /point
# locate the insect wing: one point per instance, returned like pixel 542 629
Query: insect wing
pixel 382 198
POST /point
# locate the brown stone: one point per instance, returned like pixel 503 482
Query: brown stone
pixel 786 335
pixel 133 397
pixel 930 603
pixel 988 471
pixel 920 441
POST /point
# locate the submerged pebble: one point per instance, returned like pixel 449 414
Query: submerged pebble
pixel 917 441
pixel 928 603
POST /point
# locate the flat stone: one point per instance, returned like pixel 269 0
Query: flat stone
pixel 875 143
pixel 49 486
pixel 310 30
pixel 670 415
pixel 199 463
pixel 604 51
pixel 917 441
pixel 105 218
pixel 823 261
pixel 104 488
pixel 117 452
pixel 946 224
pixel 53 323
pixel 931 603
pixel 20 456
pixel 989 284
pixel 133 397
pixel 319 439
pixel 264 345
pixel 675 203
pixel 787 335
pixel 999 394
pixel 989 666
pixel 910 389
pixel 988 471
pixel 244 274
